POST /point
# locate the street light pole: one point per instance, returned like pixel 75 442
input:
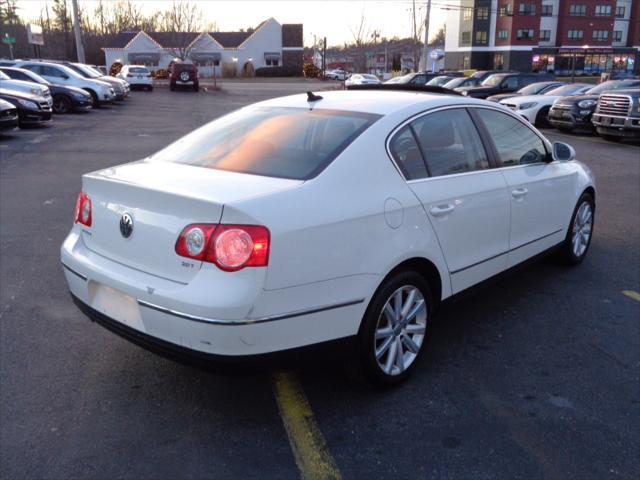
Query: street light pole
pixel 78 34
pixel 426 36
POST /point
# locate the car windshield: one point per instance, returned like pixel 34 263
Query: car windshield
pixel 603 87
pixel 94 70
pixel 295 143
pixel 138 70
pixel 493 80
pixel 566 89
pixel 4 76
pixel 457 82
pixel 87 71
pixel 438 80
pixel 370 77
pixel 36 78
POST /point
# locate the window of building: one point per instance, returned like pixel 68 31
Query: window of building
pixel 465 38
pixel 450 142
pixel 617 35
pixel 467 14
pixel 546 10
pixel 600 35
pixel 498 61
pixel 620 12
pixel 482 13
pixel 506 10
pixel 545 35
pixel 481 37
pixel 272 62
pixel 503 34
pixel 577 10
pixel 603 10
pixel 516 143
pixel 575 34
pixel 525 34
pixel 527 9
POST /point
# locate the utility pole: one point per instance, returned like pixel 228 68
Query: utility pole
pixel 426 37
pixel 324 56
pixel 76 29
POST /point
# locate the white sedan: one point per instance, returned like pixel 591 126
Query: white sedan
pixel 362 79
pixel 308 219
pixel 535 108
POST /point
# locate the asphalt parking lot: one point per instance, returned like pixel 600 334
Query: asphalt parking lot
pixel 536 376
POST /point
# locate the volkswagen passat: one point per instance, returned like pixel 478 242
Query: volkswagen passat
pixel 301 220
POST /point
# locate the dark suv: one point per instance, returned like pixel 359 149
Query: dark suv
pixel 618 114
pixel 184 74
pixel 503 83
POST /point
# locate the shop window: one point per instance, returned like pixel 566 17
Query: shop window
pixel 498 61
pixel 546 10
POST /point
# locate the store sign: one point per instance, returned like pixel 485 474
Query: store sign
pixel 34 34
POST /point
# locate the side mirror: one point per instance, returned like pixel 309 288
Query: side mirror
pixel 563 152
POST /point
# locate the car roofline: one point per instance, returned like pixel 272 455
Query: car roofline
pixel 403 87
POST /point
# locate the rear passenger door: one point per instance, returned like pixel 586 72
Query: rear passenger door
pixel 539 189
pixel 446 165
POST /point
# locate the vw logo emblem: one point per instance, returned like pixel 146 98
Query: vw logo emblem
pixel 126 225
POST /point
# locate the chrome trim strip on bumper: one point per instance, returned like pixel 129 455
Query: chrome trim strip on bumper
pixel 74 272
pixel 251 321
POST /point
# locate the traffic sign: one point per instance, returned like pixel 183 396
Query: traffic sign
pixel 8 39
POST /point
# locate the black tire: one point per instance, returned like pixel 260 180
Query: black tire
pixel 610 138
pixel 95 101
pixel 196 87
pixel 367 362
pixel 172 86
pixel 566 253
pixel 150 88
pixel 565 129
pixel 62 104
pixel 542 120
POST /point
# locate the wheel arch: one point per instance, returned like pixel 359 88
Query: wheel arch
pixel 425 268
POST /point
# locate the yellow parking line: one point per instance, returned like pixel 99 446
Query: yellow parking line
pixel 307 442
pixel 632 294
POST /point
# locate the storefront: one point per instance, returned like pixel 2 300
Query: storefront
pixel 583 61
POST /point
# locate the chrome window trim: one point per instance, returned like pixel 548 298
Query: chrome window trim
pixel 396 129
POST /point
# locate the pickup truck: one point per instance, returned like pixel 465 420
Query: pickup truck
pixel 617 115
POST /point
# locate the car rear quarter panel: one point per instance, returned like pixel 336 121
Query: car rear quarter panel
pixel 355 222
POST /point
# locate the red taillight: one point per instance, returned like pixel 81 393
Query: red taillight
pixel 230 247
pixel 83 210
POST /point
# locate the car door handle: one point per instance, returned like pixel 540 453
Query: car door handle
pixel 441 210
pixel 519 192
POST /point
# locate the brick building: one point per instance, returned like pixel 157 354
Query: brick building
pixel 588 36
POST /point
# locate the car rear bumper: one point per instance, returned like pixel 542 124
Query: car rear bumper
pixel 256 321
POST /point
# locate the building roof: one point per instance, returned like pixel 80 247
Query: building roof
pixel 230 39
pixel 121 40
pixel 173 39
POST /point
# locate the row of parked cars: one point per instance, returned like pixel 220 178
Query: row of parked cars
pixel 611 108
pixel 32 90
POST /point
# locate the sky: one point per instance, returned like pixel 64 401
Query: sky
pixel 331 18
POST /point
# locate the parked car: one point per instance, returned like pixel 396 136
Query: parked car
pixel 101 92
pixel 25 87
pixel 537 88
pixel 65 99
pixel 208 249
pixel 102 68
pixel 32 109
pixel 440 80
pixel 120 87
pixel 8 116
pixel 535 108
pixel 572 112
pixel 503 83
pixel 183 74
pixel 460 82
pixel 362 79
pixel 420 78
pixel 617 115
pixel 336 74
pixel 138 76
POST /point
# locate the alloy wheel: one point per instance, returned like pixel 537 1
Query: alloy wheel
pixel 400 330
pixel 582 227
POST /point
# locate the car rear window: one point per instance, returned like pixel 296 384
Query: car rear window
pixel 183 66
pixel 138 70
pixel 295 143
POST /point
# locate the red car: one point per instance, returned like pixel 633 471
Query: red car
pixel 184 75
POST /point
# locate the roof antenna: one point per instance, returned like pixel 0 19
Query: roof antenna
pixel 312 97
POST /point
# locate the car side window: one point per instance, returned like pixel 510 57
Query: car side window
pixel 450 142
pixel 33 68
pixel 51 71
pixel 516 143
pixel 510 82
pixel 406 153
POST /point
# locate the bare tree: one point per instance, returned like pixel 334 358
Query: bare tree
pixel 361 36
pixel 418 17
pixel 181 19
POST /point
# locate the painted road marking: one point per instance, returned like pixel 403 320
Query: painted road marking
pixel 632 294
pixel 307 442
